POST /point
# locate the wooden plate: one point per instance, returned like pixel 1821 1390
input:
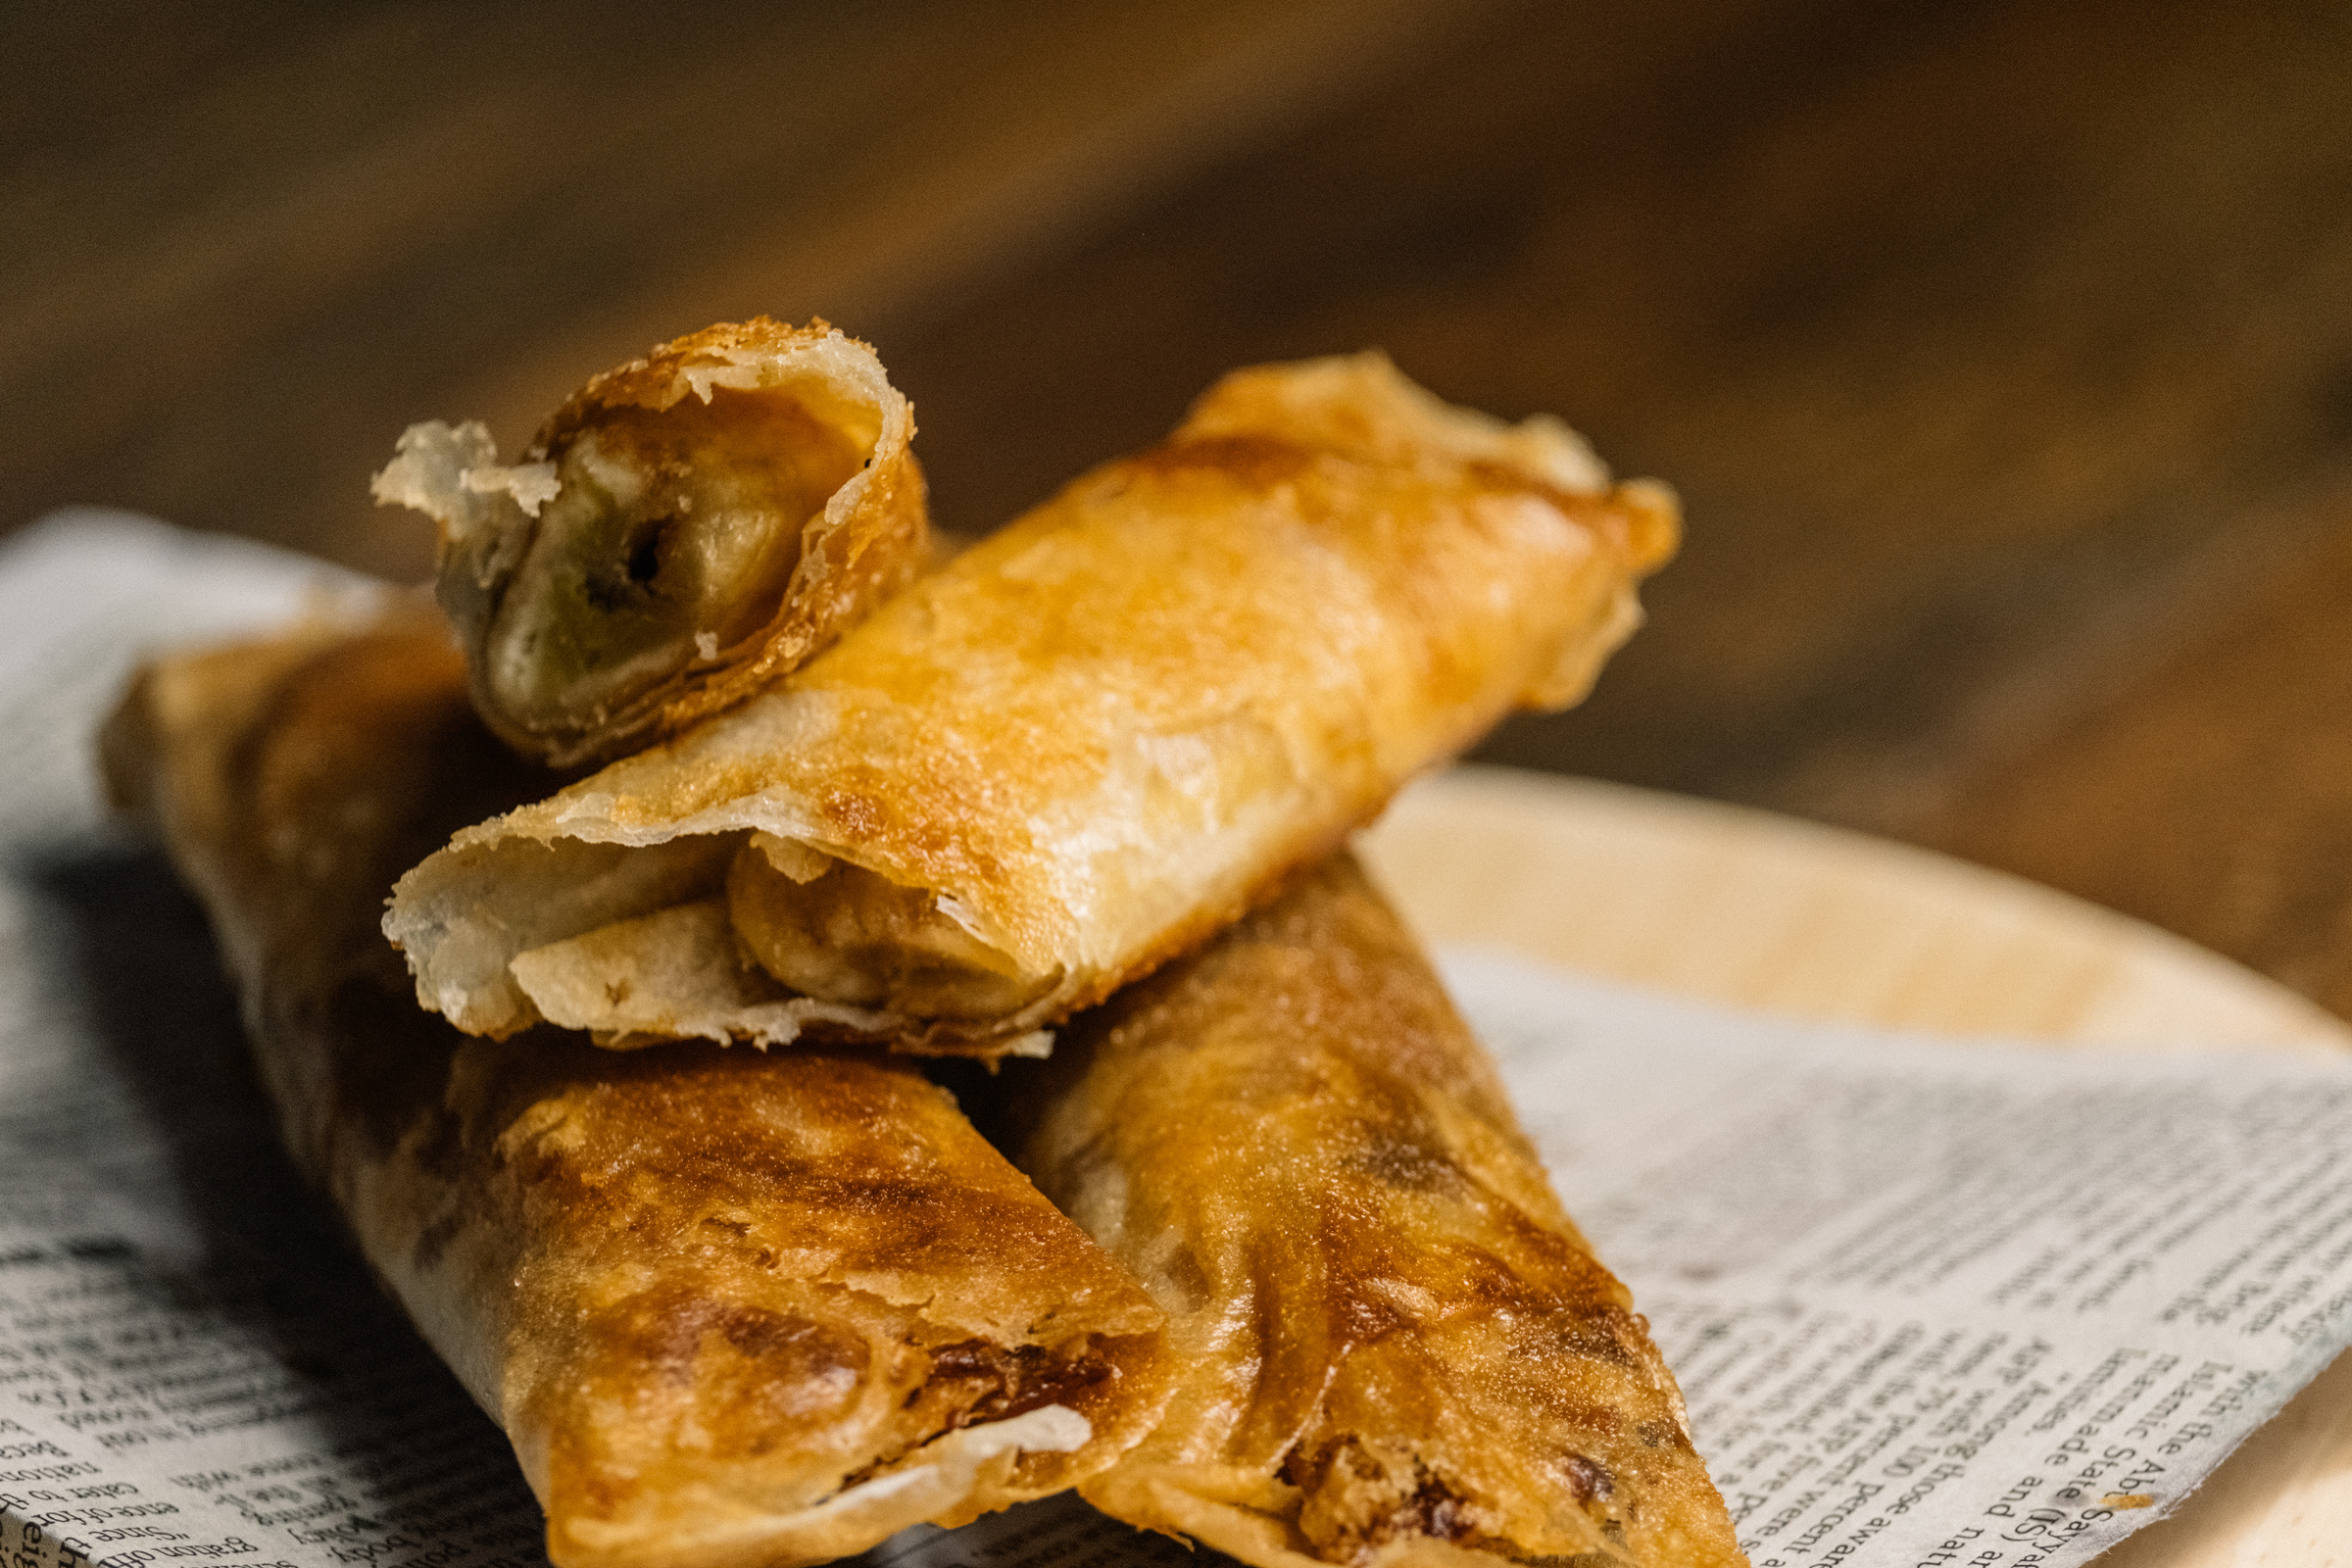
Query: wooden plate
pixel 1749 910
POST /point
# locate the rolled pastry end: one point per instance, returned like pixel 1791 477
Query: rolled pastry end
pixel 1645 518
pixel 736 937
pixel 950 1480
pixel 685 527
pixel 809 1305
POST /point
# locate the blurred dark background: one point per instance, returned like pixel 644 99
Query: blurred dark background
pixel 2002 352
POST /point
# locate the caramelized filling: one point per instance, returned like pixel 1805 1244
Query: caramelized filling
pixel 973 1381
pixel 672 536
pixel 997 1382
pixel 1358 1499
pixel 842 933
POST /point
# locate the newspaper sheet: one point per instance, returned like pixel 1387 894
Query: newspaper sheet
pixel 1951 1307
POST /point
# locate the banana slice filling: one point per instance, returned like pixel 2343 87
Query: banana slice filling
pixel 686 528
pixel 842 933
pixel 670 542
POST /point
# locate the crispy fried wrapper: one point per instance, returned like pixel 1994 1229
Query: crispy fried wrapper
pixel 684 530
pixel 734 1310
pixel 1396 1347
pixel 1082 747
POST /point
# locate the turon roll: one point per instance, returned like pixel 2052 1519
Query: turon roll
pixel 1078 750
pixel 734 1310
pixel 1396 1345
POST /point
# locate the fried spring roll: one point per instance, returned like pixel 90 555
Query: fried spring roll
pixel 1397 1346
pixel 735 1311
pixel 685 529
pixel 1081 747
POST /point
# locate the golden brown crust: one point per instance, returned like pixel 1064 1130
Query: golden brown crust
pixel 1099 735
pixel 1397 1346
pixel 733 1309
pixel 816 427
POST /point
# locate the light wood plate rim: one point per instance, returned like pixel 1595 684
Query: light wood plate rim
pixel 1742 908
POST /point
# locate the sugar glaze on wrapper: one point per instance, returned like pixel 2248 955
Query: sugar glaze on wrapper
pixel 733 1310
pixel 1078 750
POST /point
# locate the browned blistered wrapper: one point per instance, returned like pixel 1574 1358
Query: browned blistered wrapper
pixel 735 1310
pixel 1396 1345
pixel 1079 748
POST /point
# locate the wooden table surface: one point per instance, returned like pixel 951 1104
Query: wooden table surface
pixel 2002 352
